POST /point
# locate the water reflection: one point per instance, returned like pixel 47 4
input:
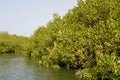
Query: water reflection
pixel 14 67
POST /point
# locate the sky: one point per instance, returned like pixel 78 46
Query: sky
pixel 23 17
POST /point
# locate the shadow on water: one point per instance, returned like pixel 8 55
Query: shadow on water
pixel 13 67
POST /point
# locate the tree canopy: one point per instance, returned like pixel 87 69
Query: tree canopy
pixel 86 38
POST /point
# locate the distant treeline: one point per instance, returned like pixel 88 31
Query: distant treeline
pixel 11 43
pixel 87 39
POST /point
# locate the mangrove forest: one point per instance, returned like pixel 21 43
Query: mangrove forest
pixel 86 39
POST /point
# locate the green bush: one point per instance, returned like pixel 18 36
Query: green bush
pixel 107 68
pixel 87 38
pixel 11 43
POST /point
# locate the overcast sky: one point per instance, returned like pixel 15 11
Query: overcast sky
pixel 22 17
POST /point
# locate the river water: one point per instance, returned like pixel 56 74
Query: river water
pixel 14 67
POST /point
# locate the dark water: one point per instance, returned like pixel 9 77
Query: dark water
pixel 14 67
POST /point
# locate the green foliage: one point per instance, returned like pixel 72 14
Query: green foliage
pixel 107 68
pixel 40 41
pixel 11 43
pixel 87 38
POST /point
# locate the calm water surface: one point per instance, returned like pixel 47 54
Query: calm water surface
pixel 14 67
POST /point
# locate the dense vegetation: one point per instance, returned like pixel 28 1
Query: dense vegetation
pixel 87 39
pixel 11 43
